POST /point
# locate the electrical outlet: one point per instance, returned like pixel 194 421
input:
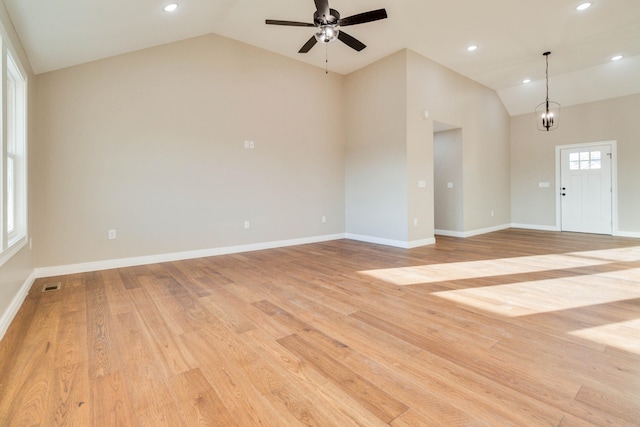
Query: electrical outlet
pixel 112 234
pixel 246 225
pixel 324 219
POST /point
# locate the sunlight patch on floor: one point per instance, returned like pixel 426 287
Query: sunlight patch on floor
pixel 622 335
pixel 543 296
pixel 403 276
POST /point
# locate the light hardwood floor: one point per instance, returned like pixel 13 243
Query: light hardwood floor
pixel 513 328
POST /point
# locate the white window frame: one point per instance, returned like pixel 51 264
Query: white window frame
pixel 13 156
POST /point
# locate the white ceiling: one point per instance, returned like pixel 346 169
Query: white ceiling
pixel 511 36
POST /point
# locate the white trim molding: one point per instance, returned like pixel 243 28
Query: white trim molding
pixel 177 256
pixel 377 240
pixel 11 312
pixel 463 234
pixel 422 242
pixel 390 242
pixel 536 227
pixel 614 180
pixel 634 234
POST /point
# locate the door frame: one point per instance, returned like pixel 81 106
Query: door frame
pixel 614 180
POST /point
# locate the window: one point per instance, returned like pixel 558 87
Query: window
pixel 13 165
pixel 585 160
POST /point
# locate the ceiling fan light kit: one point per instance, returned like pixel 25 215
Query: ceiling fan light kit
pixel 327 34
pixel 327 22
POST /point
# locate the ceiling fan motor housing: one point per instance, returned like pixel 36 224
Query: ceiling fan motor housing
pixel 333 18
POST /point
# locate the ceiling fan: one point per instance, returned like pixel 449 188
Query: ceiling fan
pixel 328 23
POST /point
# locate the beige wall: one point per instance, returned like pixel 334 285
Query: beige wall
pixel 152 144
pixel 376 156
pixel 533 159
pixel 15 272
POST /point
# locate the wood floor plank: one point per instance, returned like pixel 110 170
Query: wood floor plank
pixel 241 398
pixel 263 378
pixel 71 340
pixel 516 327
pixel 103 344
pixel 220 300
pixel 321 406
pixel 151 399
pixel 282 360
pixel 110 402
pixel 68 398
pixel 166 346
pixel 198 401
pixel 374 399
pixel 29 380
pixel 319 338
pixel 615 402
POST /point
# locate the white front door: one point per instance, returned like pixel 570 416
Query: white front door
pixel 586 189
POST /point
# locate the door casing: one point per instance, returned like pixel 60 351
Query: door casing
pixel 614 180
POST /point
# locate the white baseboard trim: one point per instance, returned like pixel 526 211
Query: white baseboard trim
pixel 16 303
pixel 177 256
pixel 633 234
pixel 487 230
pixel 536 227
pixel 377 240
pixel 617 233
pixel 451 233
pixel 422 242
pixel 390 242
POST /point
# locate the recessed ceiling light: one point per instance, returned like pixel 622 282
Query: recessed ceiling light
pixel 525 81
pixel 170 7
pixel 616 58
pixel 583 6
pixel 472 48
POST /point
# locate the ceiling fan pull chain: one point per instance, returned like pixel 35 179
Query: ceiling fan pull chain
pixel 326 58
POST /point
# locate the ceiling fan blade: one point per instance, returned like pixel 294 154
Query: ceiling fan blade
pixel 361 18
pixel 351 41
pixel 288 23
pixel 308 45
pixel 322 6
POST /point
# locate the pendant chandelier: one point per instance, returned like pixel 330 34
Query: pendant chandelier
pixel 548 112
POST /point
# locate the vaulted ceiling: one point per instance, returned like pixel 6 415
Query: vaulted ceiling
pixel 511 37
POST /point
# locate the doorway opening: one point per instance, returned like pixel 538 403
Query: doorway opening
pixel 448 188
